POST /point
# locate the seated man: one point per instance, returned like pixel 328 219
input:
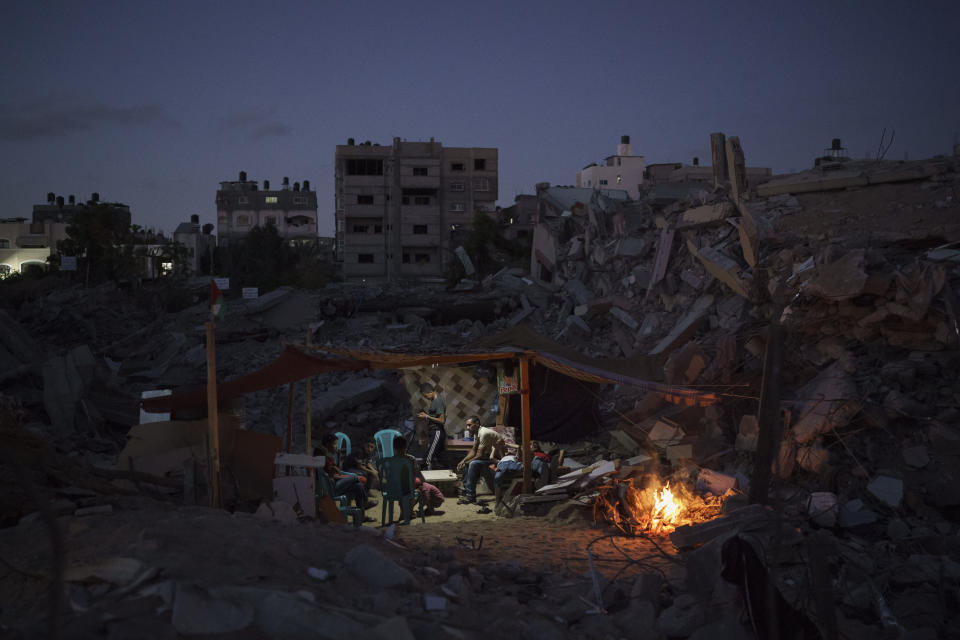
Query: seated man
pixel 344 484
pixel 432 496
pixel 488 444
pixel 363 463
pixel 508 468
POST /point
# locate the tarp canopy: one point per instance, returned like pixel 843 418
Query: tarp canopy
pixel 294 364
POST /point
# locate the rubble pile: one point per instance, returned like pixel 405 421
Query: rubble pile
pixel 860 269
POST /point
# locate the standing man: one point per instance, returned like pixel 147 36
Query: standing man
pixel 433 437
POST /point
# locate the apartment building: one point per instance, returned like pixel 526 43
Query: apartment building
pixel 399 206
pixel 199 242
pixel 242 205
pixel 622 170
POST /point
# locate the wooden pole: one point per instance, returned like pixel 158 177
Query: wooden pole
pixel 768 415
pixel 309 416
pixel 525 409
pixel 288 441
pixel 213 415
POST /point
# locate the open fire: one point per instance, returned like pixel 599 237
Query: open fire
pixel 654 509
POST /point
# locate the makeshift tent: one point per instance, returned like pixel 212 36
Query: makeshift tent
pixel 295 364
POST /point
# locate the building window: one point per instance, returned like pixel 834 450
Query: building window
pixel 420 229
pixel 458 186
pixel 242 200
pixel 360 228
pixel 479 164
pixel 270 220
pixel 405 200
pixel 223 220
pixel 458 207
pixel 421 258
pixel 299 200
pixel 378 228
pixel 243 221
pixel 364 199
pixel 4 243
pixel 481 184
pixel 364 167
pixel 619 179
pixel 406 258
pixel 421 200
pixel 270 199
pixel 456 166
pixel 618 162
pixel 419 171
pixel 603 182
pixel 365 258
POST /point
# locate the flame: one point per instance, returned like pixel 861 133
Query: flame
pixel 653 510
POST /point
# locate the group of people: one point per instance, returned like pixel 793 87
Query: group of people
pixel 358 474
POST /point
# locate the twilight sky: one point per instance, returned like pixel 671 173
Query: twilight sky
pixel 153 103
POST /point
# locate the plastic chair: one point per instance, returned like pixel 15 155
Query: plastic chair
pixel 384 439
pixel 397 486
pixel 343 446
pixel 325 487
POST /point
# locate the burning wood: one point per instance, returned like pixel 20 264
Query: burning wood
pixel 653 510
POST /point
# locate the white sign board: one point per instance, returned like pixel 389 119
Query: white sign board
pixel 222 283
pixel 250 293
pixel 68 263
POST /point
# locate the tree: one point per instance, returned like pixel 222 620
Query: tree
pixel 95 235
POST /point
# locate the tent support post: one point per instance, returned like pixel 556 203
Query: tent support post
pixel 525 407
pixel 213 425
pixel 309 426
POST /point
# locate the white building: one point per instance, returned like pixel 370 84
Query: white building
pixel 23 243
pixel 621 171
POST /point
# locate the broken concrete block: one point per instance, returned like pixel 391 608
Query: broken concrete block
pixel 916 457
pixel 715 482
pixel 840 280
pixel 631 247
pixel 346 395
pixel 748 229
pixel 665 433
pixel 832 400
pixel 685 616
pixel 685 328
pixel 578 290
pixel 748 433
pixel 822 508
pixel 99 510
pixel 578 324
pixel 722 268
pixel 887 490
pixel 371 566
pixel 704 215
pixel 692 279
pixel 815 458
pixel 898 529
pixel 679 452
pixel 624 317
pixel 196 612
pixel 852 514
pixel 685 365
pixel 620 439
pixel 433 602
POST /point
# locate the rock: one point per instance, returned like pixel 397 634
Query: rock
pixel 748 433
pixel 376 569
pixel 916 457
pixel 841 279
pixel 725 629
pixel 815 458
pixel 898 529
pixel 715 482
pixel 433 602
pixel 887 490
pixel 681 619
pixel 852 514
pixel 197 612
pixel 278 614
pixel 319 574
pixel 822 508
pixel 578 290
pixel 831 402
pixel 920 568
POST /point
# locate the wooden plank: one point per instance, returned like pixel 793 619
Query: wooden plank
pixel 768 415
pixel 525 411
pixel 213 420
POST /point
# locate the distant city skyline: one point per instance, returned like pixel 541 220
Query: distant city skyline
pixel 153 105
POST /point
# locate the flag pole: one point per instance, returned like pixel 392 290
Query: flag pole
pixel 213 432
pixel 309 408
